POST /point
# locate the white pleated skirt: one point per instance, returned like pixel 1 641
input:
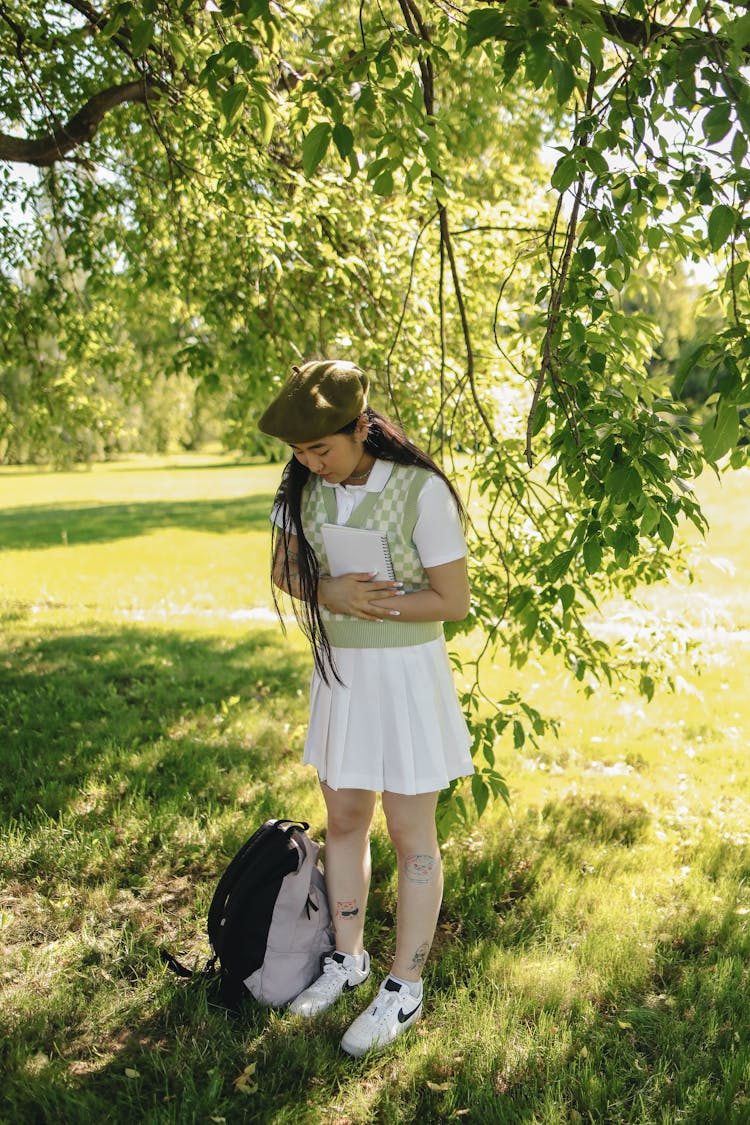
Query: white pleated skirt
pixel 394 725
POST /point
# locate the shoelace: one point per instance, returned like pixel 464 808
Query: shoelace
pixel 384 1001
pixel 331 970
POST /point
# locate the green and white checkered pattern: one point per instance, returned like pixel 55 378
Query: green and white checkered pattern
pixel 394 511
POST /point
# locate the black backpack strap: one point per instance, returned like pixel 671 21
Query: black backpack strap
pixel 238 862
pixel 302 825
pixel 183 971
pixel 238 868
pixel 231 873
pixel 260 852
pixel 175 965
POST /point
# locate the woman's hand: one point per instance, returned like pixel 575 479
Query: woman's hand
pixel 356 595
pixel 445 599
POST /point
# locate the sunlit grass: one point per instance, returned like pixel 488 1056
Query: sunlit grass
pixel 591 957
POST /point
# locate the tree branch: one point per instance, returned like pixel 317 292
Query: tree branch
pixel 558 288
pixel 47 150
pixel 97 22
pixel 630 29
pixel 417 26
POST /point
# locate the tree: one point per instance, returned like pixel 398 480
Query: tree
pixel 459 195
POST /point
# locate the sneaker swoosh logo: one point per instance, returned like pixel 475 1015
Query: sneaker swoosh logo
pixel 404 1016
pixel 348 987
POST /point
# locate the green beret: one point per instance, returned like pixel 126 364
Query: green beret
pixel 317 400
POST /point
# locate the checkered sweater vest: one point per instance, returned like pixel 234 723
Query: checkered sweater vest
pixel 394 511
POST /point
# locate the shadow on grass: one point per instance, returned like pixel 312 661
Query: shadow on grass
pixel 40 526
pixel 116 1039
pixel 669 1052
pixel 137 705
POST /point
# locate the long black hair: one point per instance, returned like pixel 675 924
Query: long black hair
pixel 384 441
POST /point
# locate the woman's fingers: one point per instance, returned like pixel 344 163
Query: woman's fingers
pixel 355 593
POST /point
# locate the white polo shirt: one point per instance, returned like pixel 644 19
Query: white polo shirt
pixel 438 535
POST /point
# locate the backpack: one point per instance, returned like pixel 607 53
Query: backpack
pixel 269 923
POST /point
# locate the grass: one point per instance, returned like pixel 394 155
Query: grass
pixel 590 963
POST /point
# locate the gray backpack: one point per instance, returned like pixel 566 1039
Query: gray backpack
pixel 269 923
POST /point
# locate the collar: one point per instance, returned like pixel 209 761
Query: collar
pixel 376 482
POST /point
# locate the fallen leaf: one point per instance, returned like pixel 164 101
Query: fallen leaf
pixel 624 1024
pixel 130 1073
pixel 245 1083
pixel 438 1087
pixel 584 1052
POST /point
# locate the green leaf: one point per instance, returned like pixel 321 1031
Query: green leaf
pixel 722 432
pixel 538 59
pixel 232 101
pixel 615 278
pixel 560 564
pixel 592 555
pixel 519 735
pixel 143 33
pixel 565 173
pixel 597 362
pixel 315 146
pixel 666 530
pixel 721 223
pixel 739 148
pixel 567 596
pixel 565 79
pixel 650 518
pixel 479 792
pixel 690 361
pixel 116 22
pixel 540 417
pixel 595 161
pixel 178 47
pixel 484 23
pixel 623 483
pixel 240 53
pixel 717 122
pixel 266 121
pixel 737 32
pixel 593 39
pixel 735 274
pixel 343 138
pixel 383 185
pixel 327 98
pixel 621 190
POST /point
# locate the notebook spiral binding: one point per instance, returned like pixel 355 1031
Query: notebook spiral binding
pixel 388 560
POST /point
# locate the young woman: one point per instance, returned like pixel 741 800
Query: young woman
pixel 384 717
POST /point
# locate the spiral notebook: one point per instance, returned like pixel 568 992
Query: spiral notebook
pixel 354 550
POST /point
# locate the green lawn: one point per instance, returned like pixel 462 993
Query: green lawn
pixel 591 961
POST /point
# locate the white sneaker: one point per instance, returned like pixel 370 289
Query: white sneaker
pixel 393 1010
pixel 340 973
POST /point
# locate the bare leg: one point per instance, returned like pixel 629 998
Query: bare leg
pixel 411 825
pixel 347 862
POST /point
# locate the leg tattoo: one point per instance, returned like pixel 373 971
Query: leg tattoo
pixel 347 909
pixel 421 868
pixel 420 956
